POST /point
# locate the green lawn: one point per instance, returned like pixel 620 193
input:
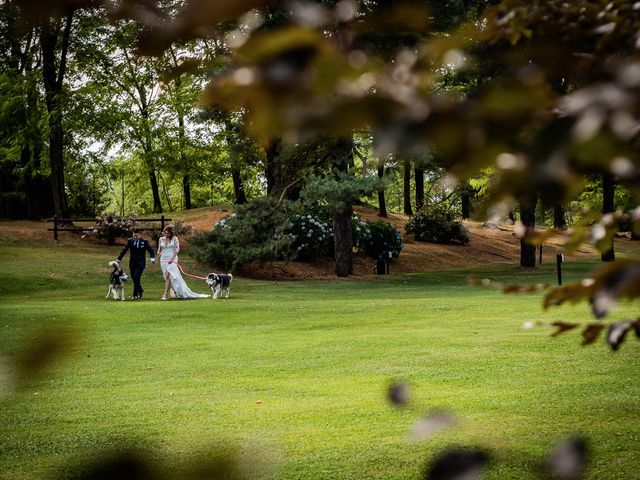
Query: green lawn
pixel 287 380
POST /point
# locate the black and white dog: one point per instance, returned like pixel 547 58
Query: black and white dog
pixel 116 281
pixel 220 283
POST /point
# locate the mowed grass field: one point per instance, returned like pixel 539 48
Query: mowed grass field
pixel 288 380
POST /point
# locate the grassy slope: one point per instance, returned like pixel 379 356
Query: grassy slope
pixel 293 374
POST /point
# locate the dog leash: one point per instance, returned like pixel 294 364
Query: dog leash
pixel 188 274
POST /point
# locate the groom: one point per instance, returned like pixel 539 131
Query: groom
pixel 137 259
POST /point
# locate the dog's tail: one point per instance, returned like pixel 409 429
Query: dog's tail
pixel 115 264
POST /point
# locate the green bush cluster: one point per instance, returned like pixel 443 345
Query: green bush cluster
pixel 312 235
pixel 255 233
pixel 437 224
pixel 382 239
pixel 312 232
pixel 303 234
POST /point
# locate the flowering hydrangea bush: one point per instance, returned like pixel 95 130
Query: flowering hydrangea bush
pixel 312 235
pixel 382 238
pixel 224 223
pixel 360 234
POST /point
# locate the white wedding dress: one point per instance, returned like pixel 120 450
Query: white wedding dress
pixel 168 249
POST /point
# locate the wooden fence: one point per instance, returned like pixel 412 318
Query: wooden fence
pixel 61 224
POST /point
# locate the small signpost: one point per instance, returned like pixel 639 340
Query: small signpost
pixel 559 261
pixel 382 264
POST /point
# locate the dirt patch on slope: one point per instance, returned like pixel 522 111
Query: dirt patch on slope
pixel 487 246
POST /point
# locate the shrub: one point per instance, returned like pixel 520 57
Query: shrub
pixel 436 224
pixel 382 238
pixel 359 233
pixel 256 232
pixel 110 227
pixel 312 233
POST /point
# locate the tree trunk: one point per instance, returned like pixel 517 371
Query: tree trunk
pixel 343 241
pixel 608 194
pixel 407 187
pixel 186 181
pixel 184 161
pixel 558 216
pixel 271 156
pixel 342 237
pixel 465 200
pixel 186 189
pixel 238 188
pixel 419 174
pixel 382 203
pixel 155 189
pixel 53 77
pixel 528 218
pixel 151 168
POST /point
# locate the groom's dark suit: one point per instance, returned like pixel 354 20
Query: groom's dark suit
pixel 137 260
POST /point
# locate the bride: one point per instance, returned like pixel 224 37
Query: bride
pixel 168 248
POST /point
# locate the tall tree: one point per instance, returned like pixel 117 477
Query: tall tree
pixel 559 220
pixel 528 219
pixel 382 202
pixel 134 82
pixel 25 187
pixel 419 179
pixel 406 186
pixel 343 242
pixel 55 34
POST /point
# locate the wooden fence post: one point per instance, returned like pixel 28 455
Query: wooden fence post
pixel 55 227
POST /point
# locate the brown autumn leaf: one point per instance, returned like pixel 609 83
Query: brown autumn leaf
pixel 512 288
pixel 573 293
pixel 563 327
pixel 591 333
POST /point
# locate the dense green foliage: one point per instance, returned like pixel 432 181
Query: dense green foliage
pixel 256 232
pixel 436 223
pixel 382 238
pixel 296 232
pixel 312 233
